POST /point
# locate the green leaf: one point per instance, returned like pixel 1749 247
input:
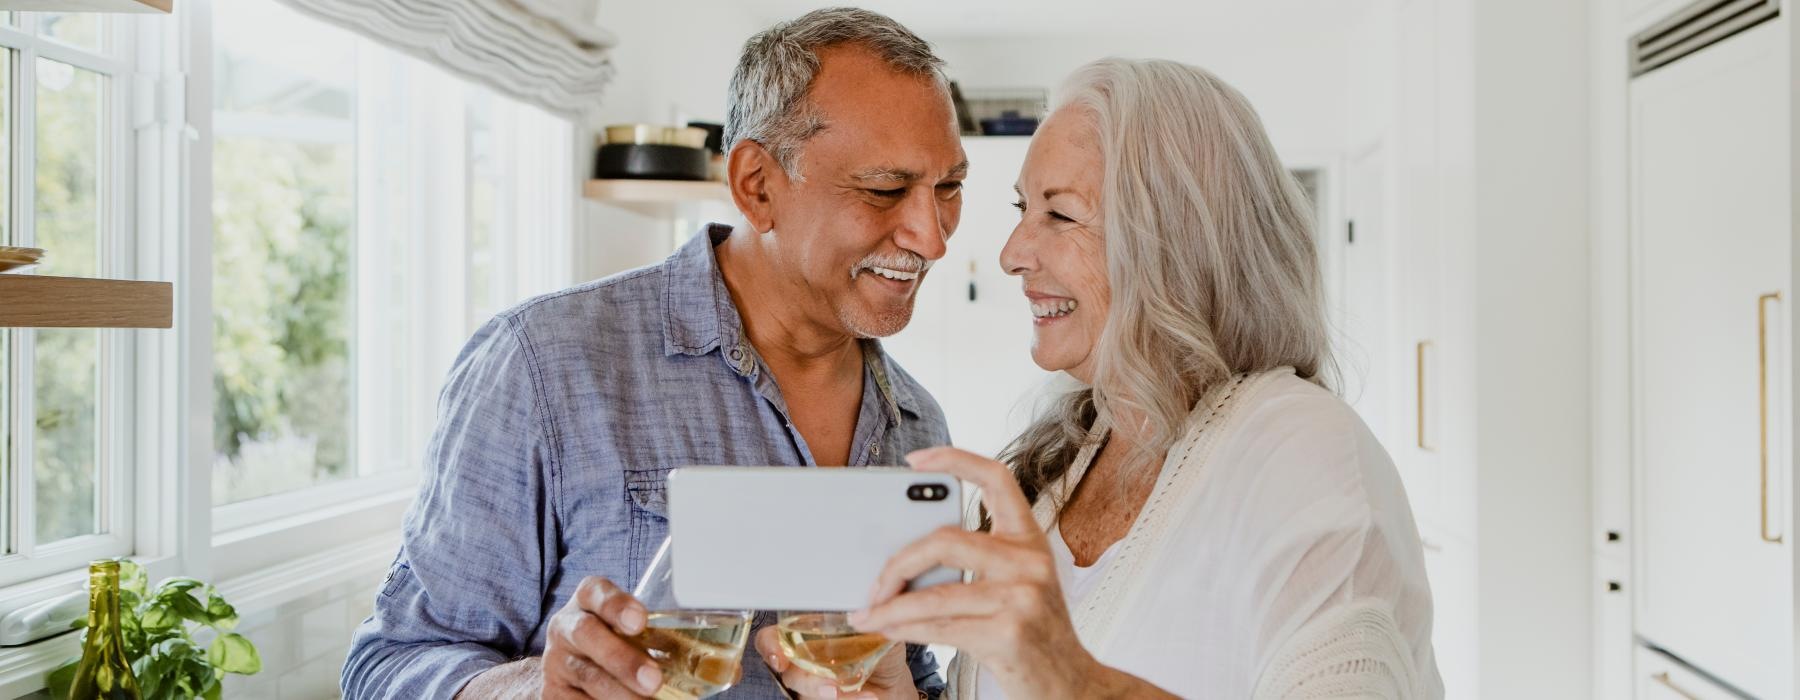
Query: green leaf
pixel 131 578
pixel 158 617
pixel 62 678
pixel 233 653
pixel 213 690
pixel 222 614
pixel 178 583
pixel 185 605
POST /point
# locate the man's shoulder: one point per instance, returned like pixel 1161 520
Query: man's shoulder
pixel 631 297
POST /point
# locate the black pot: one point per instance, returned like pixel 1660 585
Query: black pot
pixel 650 161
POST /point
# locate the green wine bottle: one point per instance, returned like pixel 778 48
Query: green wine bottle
pixel 104 672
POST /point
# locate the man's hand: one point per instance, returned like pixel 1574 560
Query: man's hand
pixel 891 680
pixel 587 652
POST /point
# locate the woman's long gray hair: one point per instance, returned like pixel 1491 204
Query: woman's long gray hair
pixel 1209 254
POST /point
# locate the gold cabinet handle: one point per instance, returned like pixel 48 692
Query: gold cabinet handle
pixel 1762 404
pixel 1666 682
pixel 1419 364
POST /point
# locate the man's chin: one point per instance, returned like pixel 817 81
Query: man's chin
pixel 870 323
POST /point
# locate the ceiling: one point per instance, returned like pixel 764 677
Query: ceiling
pixel 937 19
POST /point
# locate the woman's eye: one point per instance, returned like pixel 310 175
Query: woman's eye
pixel 1019 205
pixel 1060 217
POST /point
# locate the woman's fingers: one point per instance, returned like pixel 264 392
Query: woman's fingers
pixel 979 599
pixel 1005 502
pixel 989 557
pixel 967 634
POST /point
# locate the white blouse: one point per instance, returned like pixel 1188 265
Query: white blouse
pixel 1276 557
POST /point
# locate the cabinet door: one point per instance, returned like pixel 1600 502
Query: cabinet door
pixel 1660 678
pixel 1710 237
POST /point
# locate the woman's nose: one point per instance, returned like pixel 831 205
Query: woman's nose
pixel 1017 257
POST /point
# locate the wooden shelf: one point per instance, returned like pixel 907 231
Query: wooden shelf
pixel 163 6
pixel 655 197
pixel 39 301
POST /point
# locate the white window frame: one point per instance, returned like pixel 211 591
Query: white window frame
pixel 116 429
pixel 267 531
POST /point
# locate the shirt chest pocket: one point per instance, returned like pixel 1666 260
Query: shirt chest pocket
pixel 649 504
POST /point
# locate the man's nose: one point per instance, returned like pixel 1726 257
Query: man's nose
pixel 920 228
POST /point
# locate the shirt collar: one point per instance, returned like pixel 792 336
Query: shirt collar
pixel 700 318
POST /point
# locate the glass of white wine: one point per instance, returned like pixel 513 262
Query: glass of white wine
pixel 824 644
pixel 700 651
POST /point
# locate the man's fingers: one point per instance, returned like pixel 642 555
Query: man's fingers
pixel 593 682
pixel 808 685
pixel 616 657
pixel 770 649
pixel 614 606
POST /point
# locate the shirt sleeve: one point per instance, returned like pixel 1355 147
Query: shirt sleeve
pixel 466 592
pixel 1331 578
pixel 924 667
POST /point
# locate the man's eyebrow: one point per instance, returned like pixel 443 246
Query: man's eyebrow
pixel 898 176
pixel 961 170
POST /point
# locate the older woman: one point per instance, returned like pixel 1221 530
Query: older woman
pixel 1205 519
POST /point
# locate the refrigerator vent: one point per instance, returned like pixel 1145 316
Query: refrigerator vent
pixel 1695 27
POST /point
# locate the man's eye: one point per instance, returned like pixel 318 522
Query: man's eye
pixel 949 189
pixel 891 194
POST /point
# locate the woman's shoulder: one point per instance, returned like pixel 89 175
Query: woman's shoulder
pixel 1289 440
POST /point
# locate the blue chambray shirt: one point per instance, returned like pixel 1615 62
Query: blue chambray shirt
pixel 556 427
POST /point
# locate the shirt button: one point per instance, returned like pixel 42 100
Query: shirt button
pixel 875 451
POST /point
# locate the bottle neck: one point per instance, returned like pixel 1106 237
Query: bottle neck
pixel 103 602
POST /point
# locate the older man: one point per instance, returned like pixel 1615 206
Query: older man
pixel 750 345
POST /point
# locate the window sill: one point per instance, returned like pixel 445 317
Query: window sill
pixel 279 544
pixel 22 669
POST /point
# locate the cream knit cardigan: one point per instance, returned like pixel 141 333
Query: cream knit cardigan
pixel 1276 557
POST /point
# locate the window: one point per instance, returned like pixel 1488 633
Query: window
pixel 64 393
pixel 343 286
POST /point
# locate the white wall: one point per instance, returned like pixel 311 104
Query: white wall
pixel 1294 75
pixel 674 61
pixel 1531 315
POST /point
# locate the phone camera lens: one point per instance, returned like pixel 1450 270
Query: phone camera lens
pixel 927 492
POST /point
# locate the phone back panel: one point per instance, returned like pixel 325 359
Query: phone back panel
pixel 787 538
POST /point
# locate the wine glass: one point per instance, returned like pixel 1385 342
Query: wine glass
pixel 825 644
pixel 699 651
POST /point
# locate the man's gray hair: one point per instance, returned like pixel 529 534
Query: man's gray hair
pixel 767 99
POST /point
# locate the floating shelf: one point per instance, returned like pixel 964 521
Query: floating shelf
pixel 163 6
pixel 39 301
pixel 656 197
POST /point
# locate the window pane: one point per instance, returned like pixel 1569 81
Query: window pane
pixel 6 412
pixel 74 28
pixel 68 167
pixel 484 203
pixel 66 361
pixel 283 204
pixel 66 473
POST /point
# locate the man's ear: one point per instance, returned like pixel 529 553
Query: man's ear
pixel 751 172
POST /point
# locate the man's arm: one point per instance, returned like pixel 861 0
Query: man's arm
pixel 466 593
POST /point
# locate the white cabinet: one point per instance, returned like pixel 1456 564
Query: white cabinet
pixel 1660 678
pixel 1710 241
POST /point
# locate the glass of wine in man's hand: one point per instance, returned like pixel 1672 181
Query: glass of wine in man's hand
pixel 699 650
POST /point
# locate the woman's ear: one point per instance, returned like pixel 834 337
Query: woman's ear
pixel 749 173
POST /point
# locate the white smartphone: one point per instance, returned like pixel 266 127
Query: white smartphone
pixel 788 538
